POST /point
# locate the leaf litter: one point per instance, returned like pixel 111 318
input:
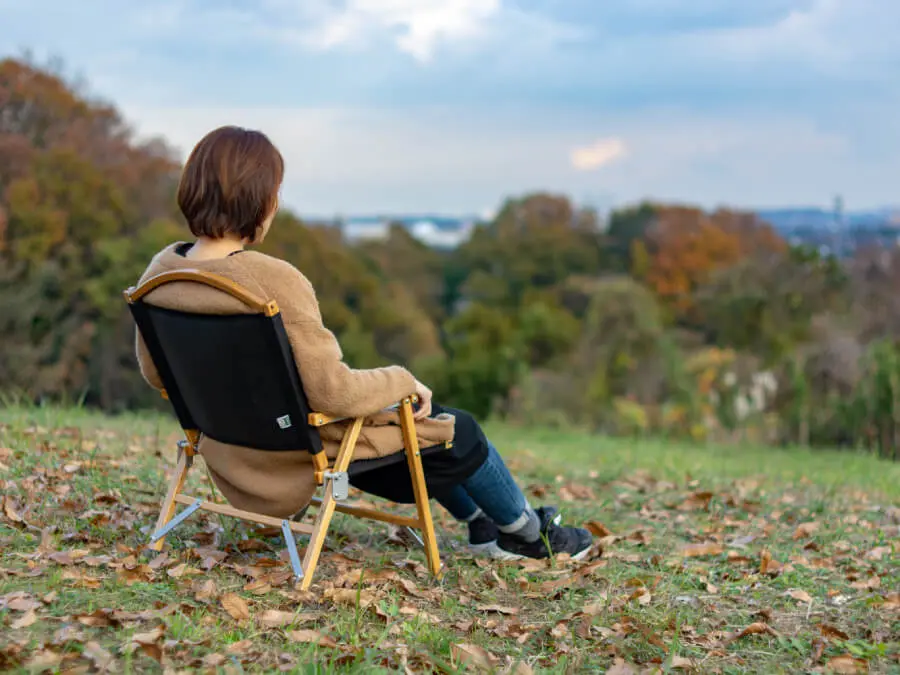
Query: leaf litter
pixel 676 563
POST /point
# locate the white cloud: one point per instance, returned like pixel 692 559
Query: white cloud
pixel 825 34
pixel 343 160
pixel 416 27
pixel 598 154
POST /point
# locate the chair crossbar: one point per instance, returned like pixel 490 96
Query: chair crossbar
pixel 372 514
pixel 225 510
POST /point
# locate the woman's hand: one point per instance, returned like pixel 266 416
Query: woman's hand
pixel 424 394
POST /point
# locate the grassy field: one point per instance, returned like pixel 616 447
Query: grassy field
pixel 709 559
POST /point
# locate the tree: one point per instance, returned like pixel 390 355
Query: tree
pixel 626 231
pixel 766 303
pixel 533 243
pixel 685 245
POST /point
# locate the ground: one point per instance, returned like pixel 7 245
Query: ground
pixel 709 559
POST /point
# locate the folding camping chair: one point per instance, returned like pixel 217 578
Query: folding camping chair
pixel 233 378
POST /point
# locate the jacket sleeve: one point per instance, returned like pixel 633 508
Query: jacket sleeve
pixel 145 363
pixel 331 386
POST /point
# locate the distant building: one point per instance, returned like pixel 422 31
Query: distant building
pixel 435 231
pixel 836 231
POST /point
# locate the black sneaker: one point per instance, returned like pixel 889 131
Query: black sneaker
pixel 483 536
pixel 555 540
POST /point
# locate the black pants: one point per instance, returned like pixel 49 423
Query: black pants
pixel 388 477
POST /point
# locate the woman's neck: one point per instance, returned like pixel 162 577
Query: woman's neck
pixel 206 248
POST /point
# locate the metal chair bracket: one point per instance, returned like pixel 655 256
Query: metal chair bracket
pixel 340 484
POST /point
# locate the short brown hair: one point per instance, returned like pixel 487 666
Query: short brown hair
pixel 230 183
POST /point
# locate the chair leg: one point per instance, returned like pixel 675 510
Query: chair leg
pixel 420 489
pixel 326 508
pixel 168 506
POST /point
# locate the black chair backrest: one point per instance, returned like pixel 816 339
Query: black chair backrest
pixel 232 377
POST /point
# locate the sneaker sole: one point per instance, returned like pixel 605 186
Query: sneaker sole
pixel 490 549
pixel 500 554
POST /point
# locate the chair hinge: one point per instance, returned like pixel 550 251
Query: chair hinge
pixel 183 447
pixel 340 484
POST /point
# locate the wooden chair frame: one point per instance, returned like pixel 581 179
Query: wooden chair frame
pixel 332 478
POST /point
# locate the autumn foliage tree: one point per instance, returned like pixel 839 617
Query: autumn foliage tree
pixel 685 245
pixel 547 314
pixel 82 206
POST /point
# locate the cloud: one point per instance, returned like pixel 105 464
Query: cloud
pixel 596 155
pixel 418 26
pixel 452 104
pixel 351 160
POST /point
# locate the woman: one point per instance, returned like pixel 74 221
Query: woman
pixel 229 195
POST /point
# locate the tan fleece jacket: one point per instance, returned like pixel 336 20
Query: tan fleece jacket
pixel 281 483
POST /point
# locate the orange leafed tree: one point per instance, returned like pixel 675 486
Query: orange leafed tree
pixel 686 244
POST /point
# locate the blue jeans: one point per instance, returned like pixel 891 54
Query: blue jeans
pixel 490 490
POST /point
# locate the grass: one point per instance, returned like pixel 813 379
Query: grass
pixel 714 559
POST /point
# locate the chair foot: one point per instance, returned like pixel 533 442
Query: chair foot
pixel 291 544
pixel 158 536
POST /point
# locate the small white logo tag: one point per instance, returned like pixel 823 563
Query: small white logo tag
pixel 284 421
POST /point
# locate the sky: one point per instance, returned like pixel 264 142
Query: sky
pixel 450 106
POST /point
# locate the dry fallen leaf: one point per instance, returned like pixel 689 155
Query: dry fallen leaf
pixel 205 590
pixel 757 628
pixel 45 659
pixel 350 596
pixel 832 632
pixel 846 664
pixel 101 658
pixel 521 668
pixel 878 552
pixel 497 609
pixel 311 637
pixel 10 511
pixel 236 606
pixel 240 647
pixel 27 619
pixel 891 601
pixel 151 642
pixel 871 583
pixel 597 529
pixel 800 595
pixel 768 565
pixel 642 595
pixel 473 655
pixel 620 667
pixel 276 618
pixel 805 529
pixel 20 602
pixel 680 662
pixel 696 550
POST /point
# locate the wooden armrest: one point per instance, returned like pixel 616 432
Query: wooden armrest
pixel 321 419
